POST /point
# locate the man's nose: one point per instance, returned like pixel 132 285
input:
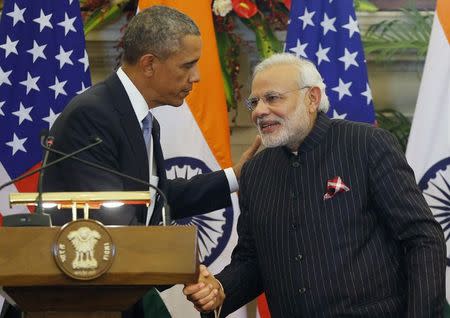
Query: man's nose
pixel 195 75
pixel 261 108
pixel 260 111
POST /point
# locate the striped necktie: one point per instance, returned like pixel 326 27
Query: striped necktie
pixel 147 128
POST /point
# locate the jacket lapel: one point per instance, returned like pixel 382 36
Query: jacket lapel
pixel 130 124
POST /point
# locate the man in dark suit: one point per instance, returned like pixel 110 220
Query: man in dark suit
pixel 161 49
pixel 332 223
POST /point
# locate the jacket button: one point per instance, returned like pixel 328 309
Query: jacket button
pixel 294 226
pixel 296 164
pixel 299 257
pixel 302 290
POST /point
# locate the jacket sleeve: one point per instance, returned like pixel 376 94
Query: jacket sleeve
pixel 405 212
pixel 241 279
pixel 200 194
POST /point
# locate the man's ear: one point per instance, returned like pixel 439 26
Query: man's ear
pixel 147 64
pixel 314 96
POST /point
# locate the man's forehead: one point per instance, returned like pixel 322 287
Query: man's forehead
pixel 191 43
pixel 275 78
pixel 190 49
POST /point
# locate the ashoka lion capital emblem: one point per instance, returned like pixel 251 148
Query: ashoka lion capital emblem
pixel 84 240
pixel 84 249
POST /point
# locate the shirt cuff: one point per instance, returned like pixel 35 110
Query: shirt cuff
pixel 232 180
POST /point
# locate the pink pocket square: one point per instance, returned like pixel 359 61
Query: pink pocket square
pixel 335 186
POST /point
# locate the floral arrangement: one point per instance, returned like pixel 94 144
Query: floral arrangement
pixel 262 18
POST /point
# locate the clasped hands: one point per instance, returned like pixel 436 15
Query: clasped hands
pixel 207 294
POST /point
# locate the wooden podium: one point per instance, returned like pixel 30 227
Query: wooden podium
pixel 144 257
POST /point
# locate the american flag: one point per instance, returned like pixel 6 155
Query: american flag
pixel 43 64
pixel 327 33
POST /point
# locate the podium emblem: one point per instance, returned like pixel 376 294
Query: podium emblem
pixel 84 249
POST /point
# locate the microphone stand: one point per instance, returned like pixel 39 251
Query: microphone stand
pixel 45 139
pixel 66 156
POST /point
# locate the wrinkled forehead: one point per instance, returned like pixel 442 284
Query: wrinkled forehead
pixel 276 78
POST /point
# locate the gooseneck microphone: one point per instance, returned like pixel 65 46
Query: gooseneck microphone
pixel 166 216
pixel 66 156
pixel 38 219
pixel 45 139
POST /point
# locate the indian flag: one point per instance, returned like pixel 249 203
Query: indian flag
pixel 428 150
pixel 195 139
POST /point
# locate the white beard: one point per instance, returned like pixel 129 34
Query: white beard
pixel 292 131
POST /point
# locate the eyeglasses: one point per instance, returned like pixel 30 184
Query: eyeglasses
pixel 270 98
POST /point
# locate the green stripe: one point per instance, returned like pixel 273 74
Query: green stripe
pixel 154 306
pixel 446 310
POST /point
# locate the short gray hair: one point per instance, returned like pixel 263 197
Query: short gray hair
pixel 158 30
pixel 308 75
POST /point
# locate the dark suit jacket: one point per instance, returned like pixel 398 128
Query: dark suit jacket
pixel 105 111
pixel 374 251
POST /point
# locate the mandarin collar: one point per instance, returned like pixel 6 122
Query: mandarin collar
pixel 315 137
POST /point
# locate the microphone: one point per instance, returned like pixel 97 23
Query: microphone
pixel 166 217
pixel 38 219
pixel 44 138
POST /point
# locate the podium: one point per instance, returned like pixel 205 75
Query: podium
pixel 144 257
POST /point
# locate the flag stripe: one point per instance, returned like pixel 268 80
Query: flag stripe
pixel 443 12
pixel 263 308
pixel 29 184
pixel 431 107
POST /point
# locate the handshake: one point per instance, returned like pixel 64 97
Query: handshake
pixel 207 294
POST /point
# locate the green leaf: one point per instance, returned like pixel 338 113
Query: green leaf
pixel 396 123
pixel 365 6
pixel 391 37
